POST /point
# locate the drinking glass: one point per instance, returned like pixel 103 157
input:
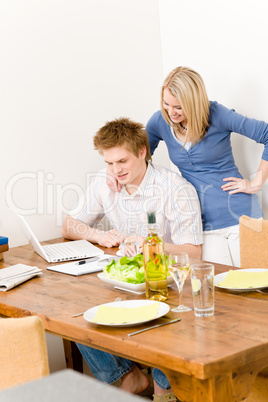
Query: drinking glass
pixel 179 268
pixel 129 239
pixel 130 245
pixel 203 289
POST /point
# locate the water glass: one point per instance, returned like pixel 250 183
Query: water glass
pixel 202 281
pixel 130 246
pixel 129 239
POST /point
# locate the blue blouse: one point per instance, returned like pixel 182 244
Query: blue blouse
pixel 207 162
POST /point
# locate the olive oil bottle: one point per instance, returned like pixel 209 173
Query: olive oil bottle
pixel 154 262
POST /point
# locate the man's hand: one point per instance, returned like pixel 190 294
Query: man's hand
pixel 112 183
pixel 109 239
pixel 132 245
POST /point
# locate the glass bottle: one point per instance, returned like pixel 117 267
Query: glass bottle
pixel 154 262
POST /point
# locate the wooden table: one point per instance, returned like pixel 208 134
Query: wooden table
pixel 205 359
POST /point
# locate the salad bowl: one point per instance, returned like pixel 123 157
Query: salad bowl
pixel 127 273
pixel 131 287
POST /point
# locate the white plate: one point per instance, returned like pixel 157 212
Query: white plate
pixel 131 287
pixel 220 277
pixel 162 310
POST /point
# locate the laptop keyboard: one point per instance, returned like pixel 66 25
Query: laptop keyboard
pixel 72 250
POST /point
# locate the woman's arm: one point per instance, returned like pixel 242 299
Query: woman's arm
pixel 237 185
pixel 153 130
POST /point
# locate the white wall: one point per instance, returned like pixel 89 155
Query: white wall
pixel 66 68
pixel 226 42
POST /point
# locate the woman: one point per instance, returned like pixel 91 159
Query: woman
pixel 197 134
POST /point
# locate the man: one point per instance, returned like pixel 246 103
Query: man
pixel 125 148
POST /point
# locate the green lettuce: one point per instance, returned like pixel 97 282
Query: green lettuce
pixel 126 269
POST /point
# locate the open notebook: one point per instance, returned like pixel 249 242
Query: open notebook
pixel 72 250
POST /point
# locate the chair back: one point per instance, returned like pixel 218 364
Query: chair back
pixel 23 351
pixel 253 235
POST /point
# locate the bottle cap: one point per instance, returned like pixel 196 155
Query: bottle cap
pixel 151 217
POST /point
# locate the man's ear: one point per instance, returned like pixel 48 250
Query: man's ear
pixel 143 152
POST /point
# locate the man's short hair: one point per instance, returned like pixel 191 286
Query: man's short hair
pixel 122 132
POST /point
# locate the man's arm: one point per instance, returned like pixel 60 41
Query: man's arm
pixel 185 220
pixel 74 229
pixel 192 250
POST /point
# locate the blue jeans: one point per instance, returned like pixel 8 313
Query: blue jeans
pixel 110 368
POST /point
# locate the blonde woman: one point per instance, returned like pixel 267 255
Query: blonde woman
pixel 197 134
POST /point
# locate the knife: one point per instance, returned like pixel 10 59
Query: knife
pixel 154 326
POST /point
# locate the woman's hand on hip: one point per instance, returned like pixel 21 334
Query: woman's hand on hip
pixel 238 185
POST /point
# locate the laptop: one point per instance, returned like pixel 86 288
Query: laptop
pixel 72 250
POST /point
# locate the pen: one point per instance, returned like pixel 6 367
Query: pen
pixel 87 261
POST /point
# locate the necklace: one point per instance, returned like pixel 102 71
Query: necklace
pixel 184 128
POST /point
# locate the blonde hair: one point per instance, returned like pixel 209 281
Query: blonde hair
pixel 123 132
pixel 188 87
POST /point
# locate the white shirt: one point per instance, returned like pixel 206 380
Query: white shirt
pixel 187 145
pixel 174 199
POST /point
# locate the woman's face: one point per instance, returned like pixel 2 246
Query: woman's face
pixel 173 107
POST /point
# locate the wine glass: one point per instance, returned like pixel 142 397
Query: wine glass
pixel 179 268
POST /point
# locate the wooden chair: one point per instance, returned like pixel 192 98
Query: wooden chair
pixel 23 351
pixel 253 235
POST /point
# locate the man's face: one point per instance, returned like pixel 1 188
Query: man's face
pixel 127 168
